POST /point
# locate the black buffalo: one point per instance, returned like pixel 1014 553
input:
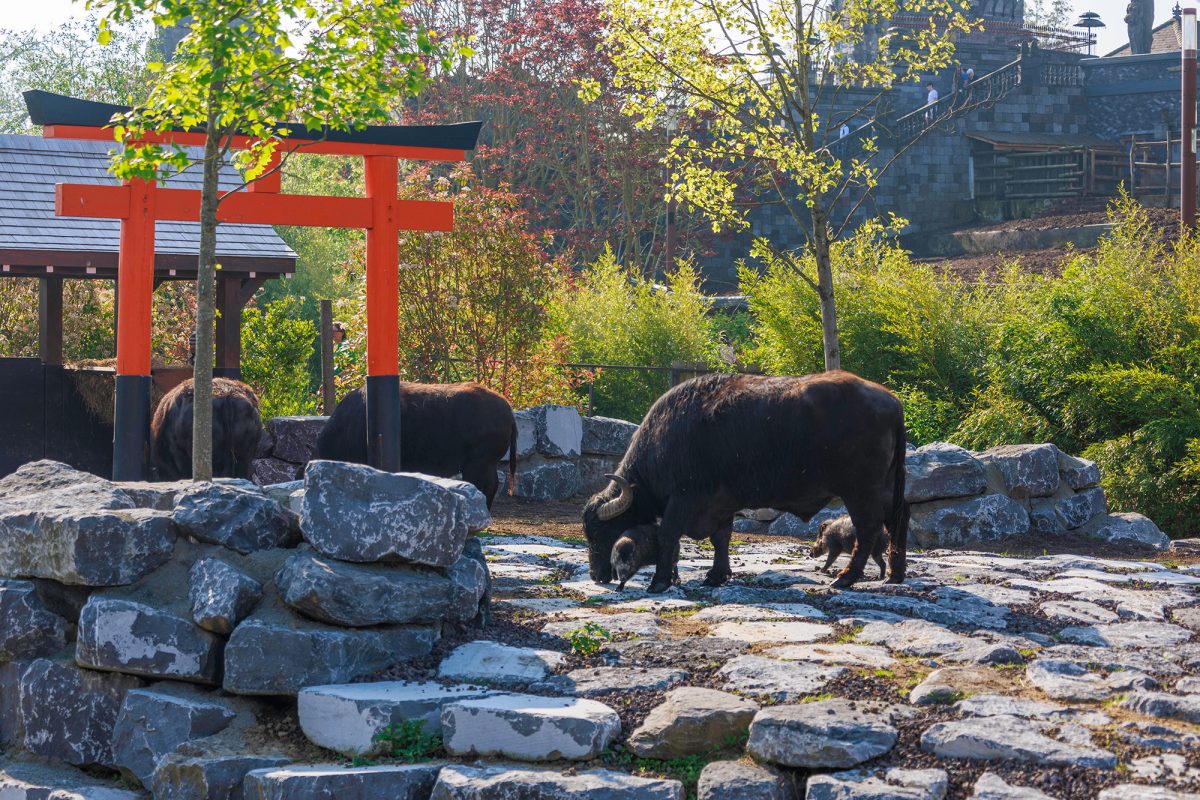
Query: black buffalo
pixel 236 428
pixel 719 443
pixel 445 430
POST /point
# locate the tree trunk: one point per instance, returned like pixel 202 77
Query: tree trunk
pixel 206 279
pixel 829 327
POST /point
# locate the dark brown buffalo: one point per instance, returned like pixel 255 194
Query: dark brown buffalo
pixel 445 430
pixel 236 428
pixel 719 443
pixel 837 536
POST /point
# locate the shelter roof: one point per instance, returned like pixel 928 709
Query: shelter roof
pixel 1021 140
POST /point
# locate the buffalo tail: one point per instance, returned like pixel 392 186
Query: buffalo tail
pixel 512 458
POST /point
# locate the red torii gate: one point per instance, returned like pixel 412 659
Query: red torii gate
pixel 139 204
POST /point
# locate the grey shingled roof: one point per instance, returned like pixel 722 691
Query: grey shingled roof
pixel 30 166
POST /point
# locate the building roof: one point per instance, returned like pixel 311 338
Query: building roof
pixel 1165 38
pixel 33 238
pixel 1021 140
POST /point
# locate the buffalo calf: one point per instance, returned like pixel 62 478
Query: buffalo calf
pixel 837 536
pixel 236 428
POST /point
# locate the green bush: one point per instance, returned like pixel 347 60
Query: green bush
pixel 611 314
pixel 277 343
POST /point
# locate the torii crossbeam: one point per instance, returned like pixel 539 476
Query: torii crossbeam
pixel 138 204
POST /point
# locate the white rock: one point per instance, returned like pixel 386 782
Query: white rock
pixel 991 786
pixel 529 728
pixel 497 663
pixel 846 655
pixel 782 681
pixel 1067 680
pixel 1128 635
pixel 1001 737
pixel 318 781
pixel 893 784
pixel 771 631
pixel 517 783
pixel 1077 611
pixel 827 733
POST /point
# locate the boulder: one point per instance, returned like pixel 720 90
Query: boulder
pixel 138 639
pixel 823 734
pixel 324 781
pixel 217 777
pixel 478 517
pixel 1043 518
pixel 26 780
pixel 220 595
pixel 377 594
pixel 353 512
pixel 1127 527
pixel 529 727
pixel 1027 470
pixel 244 520
pixel 891 784
pixel 791 525
pixel 154 722
pixel 737 780
pixel 266 443
pixel 553 480
pixel 156 495
pixel 591 681
pixel 976 520
pixel 605 436
pixel 501 782
pixel 68 713
pixel 27 629
pixel 266 471
pixel 1078 473
pixel 11 732
pixel 556 431
pixel 295 438
pixel 73 527
pixel 592 472
pixel 941 470
pixel 691 721
pixel 346 718
pixel 1075 511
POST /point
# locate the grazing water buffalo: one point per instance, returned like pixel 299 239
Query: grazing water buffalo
pixel 445 430
pixel 719 443
pixel 236 428
pixel 837 536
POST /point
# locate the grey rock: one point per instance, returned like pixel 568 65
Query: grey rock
pixel 605 436
pixel 996 705
pixel 1067 680
pixel 557 431
pixel 267 471
pixel 492 662
pixel 745 525
pixel 1075 511
pixel 220 777
pixel 11 731
pixel 1043 517
pixel 27 629
pixel 156 495
pixel 1165 706
pixel 761 514
pixel 1185 547
pixel 69 526
pixel 1126 635
pixel 781 681
pixel 593 472
pixel 1126 527
pixel 991 786
pixel 826 733
pixel 138 639
pixel 1028 470
pixel 951 684
pixel 220 595
pixel 154 722
pixel 975 520
pixel 68 713
pixel 324 781
pixel 1133 791
pixel 592 681
pixel 28 780
pixel 737 780
pixel 1000 737
pixel 279 654
pixel 282 491
pixel 346 718
pixel 376 594
pixel 457 782
pixel 461 575
pixel 242 520
pixel 1076 472
pixel 1187 617
pixel 914 637
pixel 478 517
pixel 353 512
pixel 555 480
pixel 1077 611
pixel 1157 737
pixel 266 443
pixel 689 721
pixel 791 525
pixel 939 471
pixel 893 784
pixel 295 438
pixel 529 727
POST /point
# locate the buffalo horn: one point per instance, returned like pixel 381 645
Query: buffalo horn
pixel 619 504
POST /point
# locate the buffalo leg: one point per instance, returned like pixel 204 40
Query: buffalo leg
pixel 834 552
pixel 898 551
pixel 676 518
pixel 721 571
pixel 877 555
pixel 868 526
pixel 483 477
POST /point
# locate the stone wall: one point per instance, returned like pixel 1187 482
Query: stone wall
pixel 561 454
pixel 1133 94
pixel 287 444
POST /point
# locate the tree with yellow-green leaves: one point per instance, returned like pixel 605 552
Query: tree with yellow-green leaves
pixel 757 92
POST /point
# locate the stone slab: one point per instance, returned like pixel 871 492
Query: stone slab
pixel 529 727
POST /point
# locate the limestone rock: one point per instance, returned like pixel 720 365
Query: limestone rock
pixel 27 629
pixel 220 595
pixel 1128 635
pixel 781 681
pixel 605 436
pixel 266 471
pixel 690 721
pixel 1078 611
pixel 240 519
pixel 1078 473
pixel 991 786
pixel 1067 680
pixel 1133 791
pixel 593 681
pixel 295 438
pixel 68 713
pixel 1077 510
pixel 1002 737
pixel 529 727
pixel 950 684
pixel 323 781
pixel 976 520
pixel 827 733
pixel 353 512
pixel 185 777
pixel 345 718
pixel 1127 527
pixel 893 784
pixel 1028 470
pixel 791 525
pixel 738 780
pixel 593 471
pixel 497 663
pixel 154 722
pixel 557 430
pixel 1165 706
pixel 939 471
pixel 26 780
pixel 457 782
pixel 138 639
pixel 478 517
pixel 554 480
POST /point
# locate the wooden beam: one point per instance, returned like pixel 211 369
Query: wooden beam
pixel 50 320
pixel 228 343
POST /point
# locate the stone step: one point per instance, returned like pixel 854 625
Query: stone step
pixel 529 727
pixel 495 782
pixel 346 718
pixel 321 781
pixel 497 663
pixel 21 780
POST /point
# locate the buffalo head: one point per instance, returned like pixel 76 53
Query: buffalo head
pixel 606 516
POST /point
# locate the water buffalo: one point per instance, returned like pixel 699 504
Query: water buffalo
pixel 837 536
pixel 236 428
pixel 719 443
pixel 445 430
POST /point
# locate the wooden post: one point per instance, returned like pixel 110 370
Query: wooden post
pixel 383 314
pixel 228 356
pixel 135 288
pixel 50 320
pixel 328 395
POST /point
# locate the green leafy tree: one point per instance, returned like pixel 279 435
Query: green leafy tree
pixel 758 91
pixel 277 343
pixel 253 66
